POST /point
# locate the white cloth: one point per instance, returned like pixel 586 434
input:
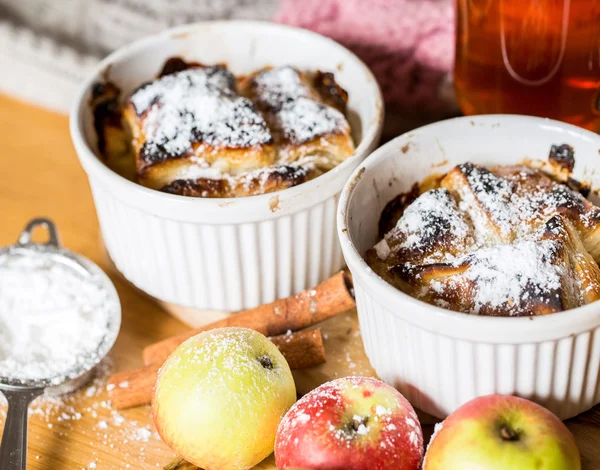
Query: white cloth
pixel 48 46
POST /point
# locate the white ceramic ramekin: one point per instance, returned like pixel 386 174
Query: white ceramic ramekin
pixel 226 254
pixel 440 359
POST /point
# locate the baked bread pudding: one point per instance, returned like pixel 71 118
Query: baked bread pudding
pixel 200 131
pixel 504 241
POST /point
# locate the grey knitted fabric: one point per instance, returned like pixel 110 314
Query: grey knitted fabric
pixel 48 46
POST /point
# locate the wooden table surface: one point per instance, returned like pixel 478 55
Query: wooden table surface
pixel 40 176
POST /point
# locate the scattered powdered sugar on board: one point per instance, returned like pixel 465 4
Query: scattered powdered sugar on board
pixel 196 105
pixel 52 318
pixel 295 112
pixel 88 413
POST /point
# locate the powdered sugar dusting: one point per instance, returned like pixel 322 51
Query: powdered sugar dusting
pixel 382 248
pixel 517 200
pixel 431 217
pixel 235 351
pixel 196 105
pixel 505 264
pixel 508 274
pixel 278 85
pixel 508 277
pixel 303 120
pixel 492 192
pixel 295 112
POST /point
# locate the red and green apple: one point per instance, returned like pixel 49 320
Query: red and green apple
pixel 499 432
pixel 354 423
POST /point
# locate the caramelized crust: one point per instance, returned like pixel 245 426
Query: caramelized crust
pixel 114 138
pixel 250 184
pixel 329 91
pixel 200 187
pixel 430 230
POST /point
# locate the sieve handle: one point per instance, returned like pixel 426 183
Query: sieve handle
pixel 25 237
pixel 13 449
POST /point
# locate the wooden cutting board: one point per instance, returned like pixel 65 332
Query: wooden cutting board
pixel 40 176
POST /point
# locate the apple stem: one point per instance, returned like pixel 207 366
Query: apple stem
pixel 175 464
pixel 508 434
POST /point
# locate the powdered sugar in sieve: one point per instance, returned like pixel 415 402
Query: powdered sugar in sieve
pixel 59 316
pixel 58 312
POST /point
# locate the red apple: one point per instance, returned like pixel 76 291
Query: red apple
pixel 498 432
pixel 355 423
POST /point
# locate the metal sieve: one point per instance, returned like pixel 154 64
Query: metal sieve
pixel 20 393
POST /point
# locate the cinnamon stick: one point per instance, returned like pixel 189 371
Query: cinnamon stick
pixel 303 349
pixel 135 387
pixel 311 306
pixel 132 387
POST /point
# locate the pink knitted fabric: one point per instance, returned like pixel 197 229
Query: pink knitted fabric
pixel 409 44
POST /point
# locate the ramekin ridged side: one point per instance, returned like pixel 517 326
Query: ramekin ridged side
pixel 441 359
pixel 231 253
pixel 220 267
pixel 437 373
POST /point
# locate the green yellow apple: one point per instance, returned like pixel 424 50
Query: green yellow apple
pixel 220 396
pixel 499 432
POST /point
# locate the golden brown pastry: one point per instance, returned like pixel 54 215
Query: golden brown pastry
pixel 431 230
pixel 537 196
pixel 298 108
pixel 192 124
pixel 548 272
pixel 198 131
pixel 485 198
pixel 509 241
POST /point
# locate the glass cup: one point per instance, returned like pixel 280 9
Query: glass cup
pixel 537 57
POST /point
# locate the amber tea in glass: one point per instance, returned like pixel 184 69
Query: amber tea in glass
pixel 537 57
